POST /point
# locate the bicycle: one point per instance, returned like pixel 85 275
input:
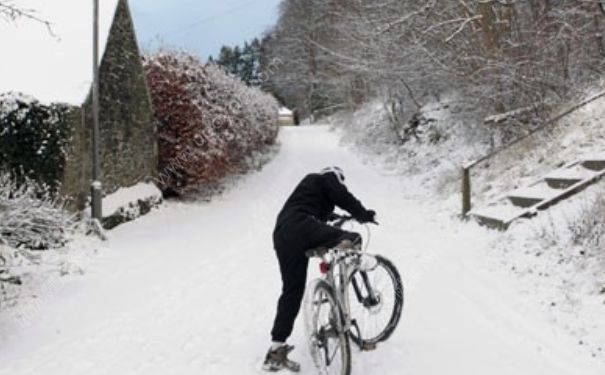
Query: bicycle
pixel 350 280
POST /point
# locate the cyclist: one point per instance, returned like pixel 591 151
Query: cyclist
pixel 301 225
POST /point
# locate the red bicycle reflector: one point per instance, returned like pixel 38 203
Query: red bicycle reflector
pixel 324 267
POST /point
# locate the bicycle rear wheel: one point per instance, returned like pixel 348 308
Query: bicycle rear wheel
pixel 328 341
pixel 376 303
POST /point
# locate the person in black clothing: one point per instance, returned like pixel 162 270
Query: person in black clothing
pixel 301 225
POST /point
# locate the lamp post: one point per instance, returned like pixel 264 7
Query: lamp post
pixel 96 186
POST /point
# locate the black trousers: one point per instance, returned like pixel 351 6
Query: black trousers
pixel 291 240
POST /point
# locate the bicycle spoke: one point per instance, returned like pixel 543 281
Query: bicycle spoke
pixel 326 339
pixel 374 315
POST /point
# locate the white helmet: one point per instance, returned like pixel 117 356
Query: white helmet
pixel 337 171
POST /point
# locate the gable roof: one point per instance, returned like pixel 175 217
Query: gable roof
pixel 53 68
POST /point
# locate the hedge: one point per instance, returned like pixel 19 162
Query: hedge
pixel 209 123
pixel 33 139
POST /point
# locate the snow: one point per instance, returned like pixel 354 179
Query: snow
pixel 124 196
pixel 554 259
pixel 9 101
pixel 502 210
pixel 504 116
pixel 537 191
pixel 192 288
pixel 283 111
pixel 573 172
pixel 572 138
pixel 53 68
pixel 558 260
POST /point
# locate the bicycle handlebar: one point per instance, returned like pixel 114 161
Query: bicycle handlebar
pixel 339 220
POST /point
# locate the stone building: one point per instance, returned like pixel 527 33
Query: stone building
pixel 55 66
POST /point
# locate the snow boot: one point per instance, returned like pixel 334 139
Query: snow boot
pixel 277 359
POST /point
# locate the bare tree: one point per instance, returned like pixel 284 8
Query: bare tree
pixel 500 55
pixel 11 13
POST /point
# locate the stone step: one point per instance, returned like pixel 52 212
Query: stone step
pixel 532 195
pixel 540 195
pixel 490 222
pixel 567 177
pixel 597 165
pixel 561 183
pixel 498 215
pixel 521 201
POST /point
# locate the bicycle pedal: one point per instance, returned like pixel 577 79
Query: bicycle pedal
pixel 368 347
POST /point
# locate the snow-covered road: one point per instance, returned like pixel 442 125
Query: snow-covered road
pixel 191 289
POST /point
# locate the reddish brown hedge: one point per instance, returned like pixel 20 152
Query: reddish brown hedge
pixel 209 123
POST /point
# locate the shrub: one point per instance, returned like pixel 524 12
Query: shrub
pixel 588 230
pixel 254 113
pixel 33 139
pixel 30 217
pixel 209 123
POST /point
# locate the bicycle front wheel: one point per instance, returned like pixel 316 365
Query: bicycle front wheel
pixel 376 303
pixel 328 341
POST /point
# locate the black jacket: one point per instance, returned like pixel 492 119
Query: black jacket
pixel 316 195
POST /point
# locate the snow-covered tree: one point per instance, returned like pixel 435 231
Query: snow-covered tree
pixel 499 55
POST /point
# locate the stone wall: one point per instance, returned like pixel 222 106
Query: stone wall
pixel 128 146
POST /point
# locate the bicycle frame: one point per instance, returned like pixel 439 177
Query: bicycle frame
pixel 338 267
pixel 342 265
pixel 342 269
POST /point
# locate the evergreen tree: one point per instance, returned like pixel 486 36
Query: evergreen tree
pixel 247 64
pixel 255 50
pixel 242 62
pixel 235 66
pixel 226 58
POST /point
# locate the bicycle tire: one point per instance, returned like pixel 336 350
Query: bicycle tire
pixel 363 339
pixel 320 292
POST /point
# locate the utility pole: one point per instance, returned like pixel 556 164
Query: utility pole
pixel 96 187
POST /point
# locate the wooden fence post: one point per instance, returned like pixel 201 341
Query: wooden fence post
pixel 466 190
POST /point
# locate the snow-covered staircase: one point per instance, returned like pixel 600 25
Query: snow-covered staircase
pixel 541 194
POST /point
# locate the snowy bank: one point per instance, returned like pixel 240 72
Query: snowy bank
pixel 129 203
pixel 125 197
pixel 555 260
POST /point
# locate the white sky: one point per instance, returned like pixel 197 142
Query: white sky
pixel 59 69
pixel 201 26
pixel 52 68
